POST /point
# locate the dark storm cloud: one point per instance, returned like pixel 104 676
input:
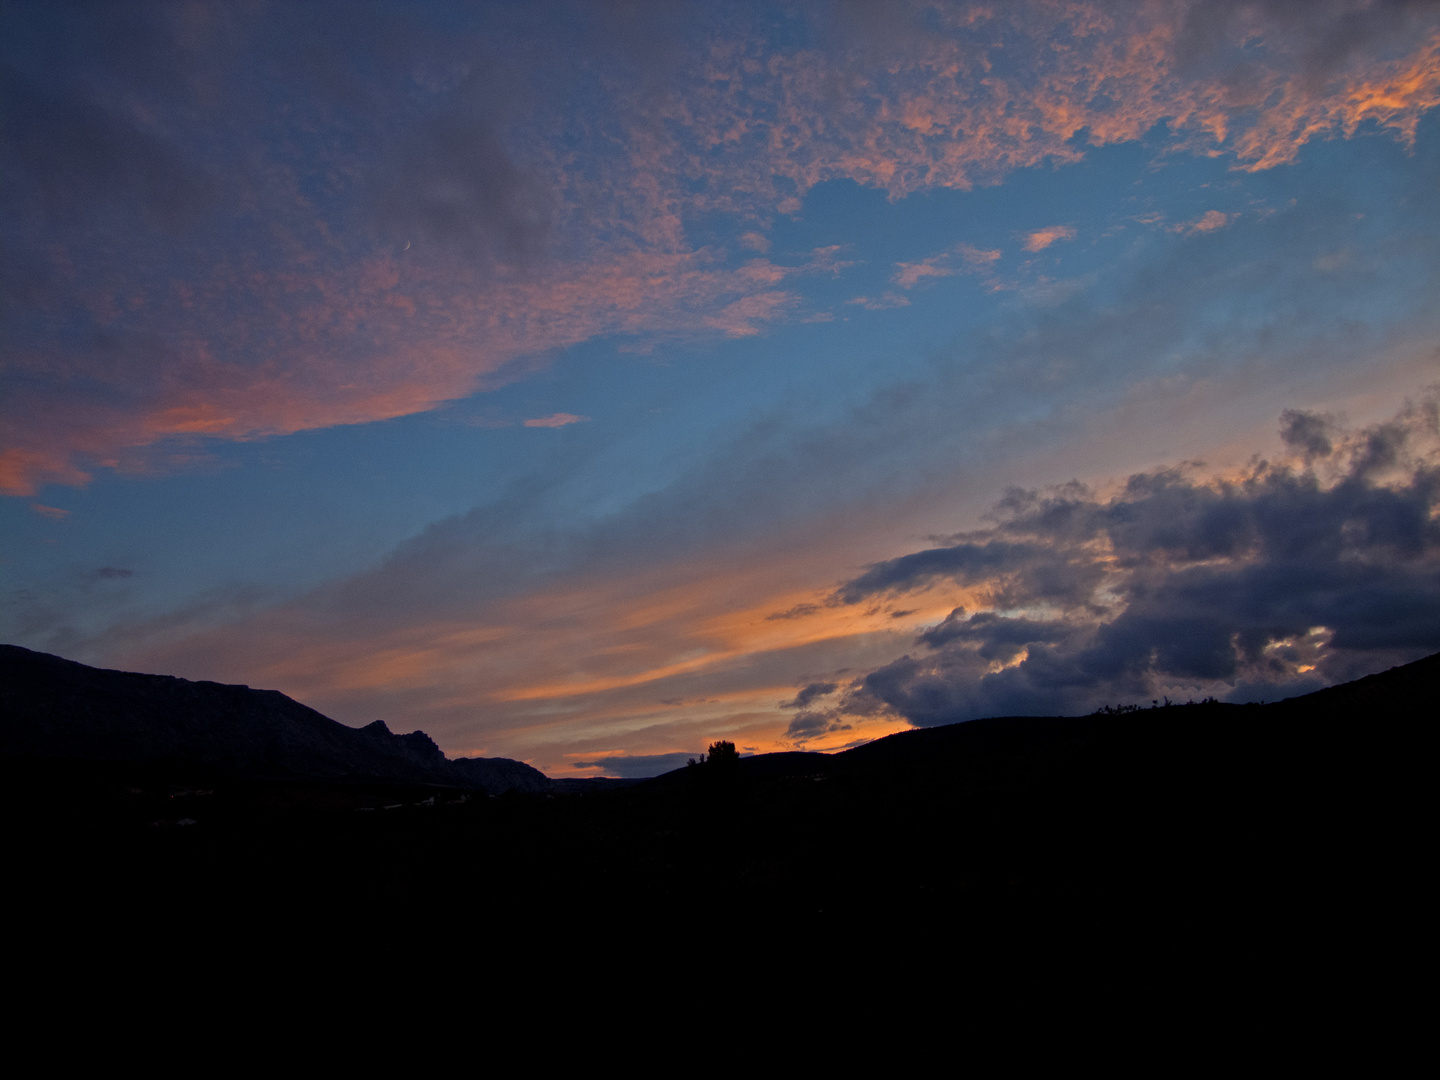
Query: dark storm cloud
pixel 812 725
pixel 638 766
pixel 808 694
pixel 1270 584
pixel 1307 433
pixel 961 563
pixel 998 637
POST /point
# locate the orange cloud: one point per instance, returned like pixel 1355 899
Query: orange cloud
pixel 23 470
pixel 450 347
pixel 1208 222
pixel 1392 95
pixel 977 257
pixel 974 259
pixel 742 317
pixel 910 274
pixel 1012 88
pixel 1040 239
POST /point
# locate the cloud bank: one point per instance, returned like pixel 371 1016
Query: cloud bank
pixel 1282 578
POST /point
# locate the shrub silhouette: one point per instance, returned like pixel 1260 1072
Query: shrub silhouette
pixel 723 754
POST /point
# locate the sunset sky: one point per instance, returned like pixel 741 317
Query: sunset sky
pixel 583 383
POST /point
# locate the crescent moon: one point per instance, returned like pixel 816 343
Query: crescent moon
pixel 407 246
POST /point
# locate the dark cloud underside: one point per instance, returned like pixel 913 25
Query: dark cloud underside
pixel 1268 584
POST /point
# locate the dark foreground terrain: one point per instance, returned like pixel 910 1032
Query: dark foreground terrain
pixel 1168 837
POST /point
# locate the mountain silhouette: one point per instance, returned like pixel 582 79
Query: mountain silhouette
pixel 57 709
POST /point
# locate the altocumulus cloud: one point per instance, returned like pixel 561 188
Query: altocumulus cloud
pixel 1286 577
pixel 202 202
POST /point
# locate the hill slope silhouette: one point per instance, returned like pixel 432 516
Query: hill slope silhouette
pixel 59 710
pixel 1165 837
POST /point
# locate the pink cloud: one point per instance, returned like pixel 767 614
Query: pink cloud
pixel 910 274
pixel 977 257
pixel 741 318
pixel 24 469
pixel 973 260
pixel 826 260
pixel 54 513
pixel 462 336
pixel 881 302
pixel 1040 239
pixel 559 419
pixel 1208 222
pixel 1012 87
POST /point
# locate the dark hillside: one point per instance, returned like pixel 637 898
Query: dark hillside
pixel 1407 691
pixel 56 709
pixel 1173 836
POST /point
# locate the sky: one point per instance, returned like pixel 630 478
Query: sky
pixel 585 383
